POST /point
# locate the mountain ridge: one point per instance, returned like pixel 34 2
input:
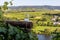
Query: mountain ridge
pixel 38 7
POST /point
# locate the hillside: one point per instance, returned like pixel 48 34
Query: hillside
pixel 36 7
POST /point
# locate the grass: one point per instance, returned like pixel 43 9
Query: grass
pixel 22 15
pixel 42 28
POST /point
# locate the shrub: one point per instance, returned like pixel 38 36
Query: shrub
pixel 15 33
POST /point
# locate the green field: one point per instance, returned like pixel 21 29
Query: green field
pixel 42 28
pixel 36 16
pixel 21 15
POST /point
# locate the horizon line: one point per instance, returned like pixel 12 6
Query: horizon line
pixel 32 5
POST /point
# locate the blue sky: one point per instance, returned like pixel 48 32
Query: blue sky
pixel 33 2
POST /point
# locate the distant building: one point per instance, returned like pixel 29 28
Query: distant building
pixel 26 19
pixel 55 23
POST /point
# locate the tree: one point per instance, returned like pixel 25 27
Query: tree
pixel 4 8
pixel 1 12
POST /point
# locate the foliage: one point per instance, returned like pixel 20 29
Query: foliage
pixel 56 34
pixel 37 17
pixel 15 33
pixel 5 6
pixel 37 29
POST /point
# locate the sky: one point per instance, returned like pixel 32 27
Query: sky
pixel 33 2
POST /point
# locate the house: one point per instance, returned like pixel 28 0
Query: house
pixel 55 23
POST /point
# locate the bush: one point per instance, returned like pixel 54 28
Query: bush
pixel 15 33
